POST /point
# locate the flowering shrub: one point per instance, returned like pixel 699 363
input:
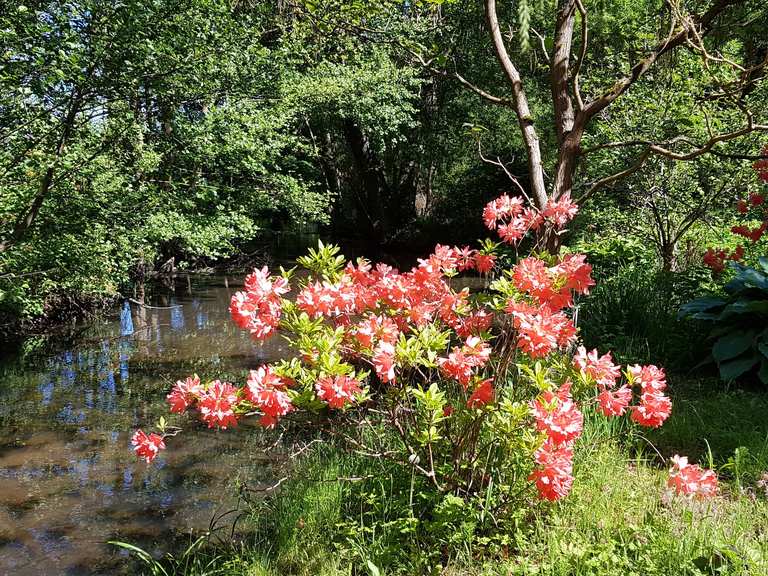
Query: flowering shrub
pixel 751 209
pixel 480 394
pixel 738 319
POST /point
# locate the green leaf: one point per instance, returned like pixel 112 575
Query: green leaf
pixel 372 568
pixel 732 344
pixel 744 307
pixel 734 368
pixel 746 279
pixel 700 305
pixel 763 372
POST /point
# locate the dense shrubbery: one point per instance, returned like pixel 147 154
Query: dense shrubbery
pixel 738 320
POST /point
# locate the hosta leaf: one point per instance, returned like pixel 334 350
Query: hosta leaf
pixel 763 372
pixel 744 307
pixel 732 344
pixel 747 278
pixel 700 305
pixel 732 369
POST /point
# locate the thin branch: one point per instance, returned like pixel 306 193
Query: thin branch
pixel 664 148
pixel 582 55
pixel 614 177
pixel 503 166
pixel 543 45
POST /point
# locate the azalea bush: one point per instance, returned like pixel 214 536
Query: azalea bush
pixel 753 215
pixel 738 319
pixel 481 395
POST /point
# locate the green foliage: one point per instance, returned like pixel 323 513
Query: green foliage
pixel 738 321
pixel 634 313
pixel 341 514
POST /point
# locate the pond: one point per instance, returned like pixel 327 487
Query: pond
pixel 69 481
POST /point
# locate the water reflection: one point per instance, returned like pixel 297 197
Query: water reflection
pixel 126 321
pixel 68 480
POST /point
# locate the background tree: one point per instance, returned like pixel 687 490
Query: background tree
pixel 562 93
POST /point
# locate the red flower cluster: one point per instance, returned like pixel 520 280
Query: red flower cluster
pixel 543 327
pixel 599 369
pixel 217 404
pixel 553 474
pixel 258 308
pixel 473 324
pixel 604 373
pixel 512 221
pixel 384 361
pixel 558 417
pixel 654 407
pixel 374 329
pixel 461 363
pixel 539 329
pixel 691 479
pixel 560 212
pixel 482 395
pixel 147 446
pixel 337 391
pixel 184 394
pixel 715 258
pixel 416 297
pixel 326 299
pixel 555 285
pixel 266 390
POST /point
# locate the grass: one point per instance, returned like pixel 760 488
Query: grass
pixel 618 521
pixel 635 314
pixel 726 428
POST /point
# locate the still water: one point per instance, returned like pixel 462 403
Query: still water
pixel 68 479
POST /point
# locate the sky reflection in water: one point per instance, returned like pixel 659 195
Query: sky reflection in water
pixel 68 479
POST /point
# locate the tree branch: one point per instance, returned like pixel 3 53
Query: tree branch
pixel 614 177
pixel 559 69
pixel 582 55
pixel 678 35
pixel 520 104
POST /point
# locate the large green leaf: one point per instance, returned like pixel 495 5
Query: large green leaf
pixel 732 344
pixel 763 372
pixel 746 279
pixel 732 369
pixel 744 307
pixel 700 305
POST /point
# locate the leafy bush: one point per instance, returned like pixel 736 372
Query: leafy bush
pixel 473 400
pixel 635 314
pixel 739 322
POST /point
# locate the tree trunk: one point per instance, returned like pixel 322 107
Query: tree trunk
pixel 668 260
pixel 371 183
pixel 520 104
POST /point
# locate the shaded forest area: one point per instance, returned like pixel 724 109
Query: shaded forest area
pixel 177 134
